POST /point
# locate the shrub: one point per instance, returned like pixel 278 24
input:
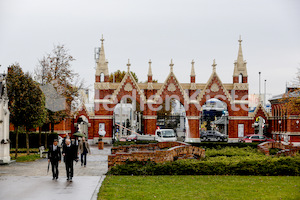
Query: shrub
pixel 231 151
pixel 273 151
pixel 222 165
pixel 220 145
pixel 33 139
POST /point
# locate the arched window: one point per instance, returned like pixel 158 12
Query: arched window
pixel 241 78
pixel 101 77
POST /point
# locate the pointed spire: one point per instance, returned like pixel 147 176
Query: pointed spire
pixel 102 54
pixel 240 63
pixel 171 65
pixel 150 70
pixel 214 65
pixel 193 69
pixel 128 65
pixel 240 58
pixel 102 40
pixel 102 64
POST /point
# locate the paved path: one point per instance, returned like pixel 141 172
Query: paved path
pixel 31 181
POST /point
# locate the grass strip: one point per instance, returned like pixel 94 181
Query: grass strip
pixel 200 187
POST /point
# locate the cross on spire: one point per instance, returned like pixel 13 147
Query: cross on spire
pixel 214 65
pixel 128 65
pixel 171 65
pixel 240 40
pixel 102 40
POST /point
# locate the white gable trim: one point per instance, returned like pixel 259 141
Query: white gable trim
pixel 116 92
pixel 214 74
pixel 183 93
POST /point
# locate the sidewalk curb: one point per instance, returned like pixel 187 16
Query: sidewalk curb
pixel 95 194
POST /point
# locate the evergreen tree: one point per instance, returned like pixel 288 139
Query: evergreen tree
pixel 26 102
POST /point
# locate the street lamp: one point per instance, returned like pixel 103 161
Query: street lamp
pixel 279 124
pixel 279 130
pixel 225 120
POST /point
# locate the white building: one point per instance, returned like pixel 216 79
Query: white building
pixel 4 122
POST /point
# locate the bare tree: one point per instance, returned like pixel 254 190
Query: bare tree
pixel 55 68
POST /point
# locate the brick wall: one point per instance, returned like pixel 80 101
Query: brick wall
pixel 287 150
pixel 153 152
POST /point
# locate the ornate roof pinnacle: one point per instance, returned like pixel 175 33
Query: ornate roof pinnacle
pixel 102 40
pixel 240 58
pixel 171 65
pixel 102 63
pixel 240 40
pixel 193 69
pixel 214 65
pixel 128 65
pixel 240 63
pixel 150 70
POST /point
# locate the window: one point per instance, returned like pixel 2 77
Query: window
pixel 101 77
pixel 241 78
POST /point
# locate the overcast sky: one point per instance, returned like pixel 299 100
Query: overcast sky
pixel 158 30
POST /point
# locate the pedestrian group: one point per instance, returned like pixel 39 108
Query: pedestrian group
pixel 70 152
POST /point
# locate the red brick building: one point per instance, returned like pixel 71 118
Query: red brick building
pixel 150 95
pixel 284 124
pixel 192 95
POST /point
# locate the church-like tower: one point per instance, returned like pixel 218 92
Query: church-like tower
pixel 102 74
pixel 240 67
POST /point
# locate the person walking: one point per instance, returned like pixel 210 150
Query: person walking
pixel 83 149
pixel 70 154
pixel 54 156
pixel 64 139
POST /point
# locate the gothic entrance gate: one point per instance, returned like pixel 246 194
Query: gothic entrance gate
pixel 192 96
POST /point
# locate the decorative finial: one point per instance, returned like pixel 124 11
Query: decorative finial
pixel 193 70
pixel 150 70
pixel 171 65
pixel 128 65
pixel 102 40
pixel 240 40
pixel 214 65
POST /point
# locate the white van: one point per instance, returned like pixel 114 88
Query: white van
pixel 165 135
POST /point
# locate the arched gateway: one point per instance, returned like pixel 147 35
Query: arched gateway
pixel 192 95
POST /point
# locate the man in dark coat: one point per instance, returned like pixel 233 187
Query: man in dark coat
pixel 70 154
pixel 54 156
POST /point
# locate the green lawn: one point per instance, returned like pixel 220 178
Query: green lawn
pixel 200 187
pixel 23 157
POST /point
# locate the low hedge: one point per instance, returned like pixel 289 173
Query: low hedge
pixel 263 166
pixel 220 145
pixel 33 139
pixel 232 151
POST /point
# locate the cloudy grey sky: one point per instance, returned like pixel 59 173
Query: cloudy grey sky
pixel 158 30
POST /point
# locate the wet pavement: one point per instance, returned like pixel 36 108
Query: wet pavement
pixel 31 181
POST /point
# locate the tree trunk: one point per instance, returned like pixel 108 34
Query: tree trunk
pixel 40 136
pixel 17 141
pixel 52 127
pixel 46 137
pixel 27 141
